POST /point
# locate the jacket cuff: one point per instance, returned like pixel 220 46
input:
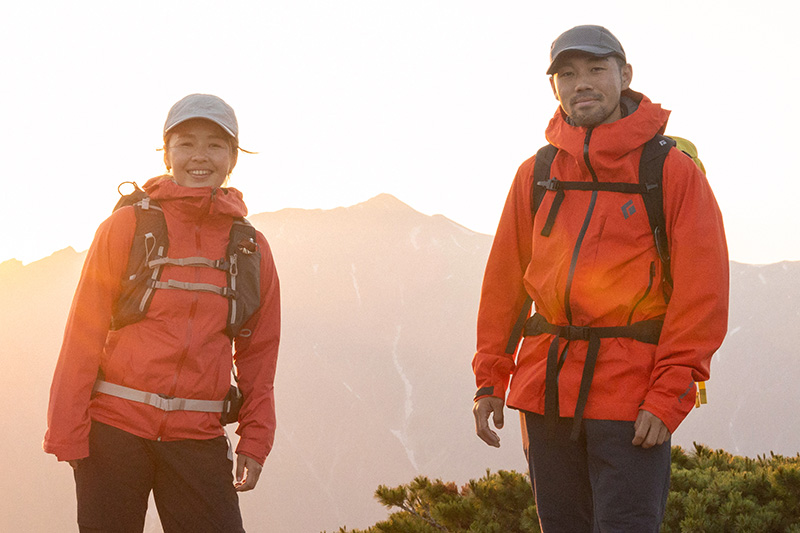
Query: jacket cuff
pixel 67 452
pixel 483 392
pixel 251 450
pixel 669 412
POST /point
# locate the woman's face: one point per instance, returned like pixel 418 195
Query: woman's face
pixel 199 154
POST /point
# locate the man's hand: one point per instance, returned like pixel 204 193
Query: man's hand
pixel 482 409
pixel 247 472
pixel 649 430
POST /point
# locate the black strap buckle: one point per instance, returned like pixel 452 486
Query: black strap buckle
pixel 551 185
pixel 574 333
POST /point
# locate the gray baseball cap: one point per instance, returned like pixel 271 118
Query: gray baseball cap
pixel 595 40
pixel 205 106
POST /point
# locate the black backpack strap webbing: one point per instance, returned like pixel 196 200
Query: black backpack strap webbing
pixel 560 186
pixel 541 174
pixel 647 331
pixel 651 175
pixel 516 331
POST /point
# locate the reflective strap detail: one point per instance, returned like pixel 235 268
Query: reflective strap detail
pixel 219 264
pixel 234 271
pixel 230 446
pixel 165 403
pixel 186 286
pixel 156 271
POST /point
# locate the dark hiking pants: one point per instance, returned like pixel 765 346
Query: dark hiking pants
pixel 600 484
pixel 191 480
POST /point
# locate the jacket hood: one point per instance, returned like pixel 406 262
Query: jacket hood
pixel 613 140
pixel 196 201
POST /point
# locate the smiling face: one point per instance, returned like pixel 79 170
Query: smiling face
pixel 589 87
pixel 199 153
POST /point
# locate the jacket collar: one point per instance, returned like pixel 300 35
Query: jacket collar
pixel 643 121
pixel 195 202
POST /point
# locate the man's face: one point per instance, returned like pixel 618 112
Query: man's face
pixel 589 87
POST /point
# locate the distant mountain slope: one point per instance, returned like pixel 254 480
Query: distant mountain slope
pixel 374 382
pixel 753 398
pixel 379 304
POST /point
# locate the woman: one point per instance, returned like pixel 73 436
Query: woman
pixel 137 394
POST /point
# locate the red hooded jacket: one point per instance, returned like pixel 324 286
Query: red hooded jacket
pixel 601 266
pixel 180 348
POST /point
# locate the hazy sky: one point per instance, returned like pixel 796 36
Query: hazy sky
pixel 435 102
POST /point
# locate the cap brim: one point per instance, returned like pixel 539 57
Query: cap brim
pixel 181 121
pixel 598 51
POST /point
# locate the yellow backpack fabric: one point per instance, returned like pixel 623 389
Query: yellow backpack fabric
pixel 687 147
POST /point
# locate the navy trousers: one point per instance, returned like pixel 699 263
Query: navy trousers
pixel 191 481
pixel 599 484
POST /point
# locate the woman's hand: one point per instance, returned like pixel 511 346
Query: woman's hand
pixel 248 471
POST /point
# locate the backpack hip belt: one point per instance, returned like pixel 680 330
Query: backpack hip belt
pixel 647 331
pixel 159 401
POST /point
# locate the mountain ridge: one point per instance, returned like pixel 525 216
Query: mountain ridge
pixel 374 384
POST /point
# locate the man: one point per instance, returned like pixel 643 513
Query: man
pixel 599 405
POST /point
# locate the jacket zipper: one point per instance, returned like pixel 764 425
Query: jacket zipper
pixel 187 343
pixel 646 292
pixel 584 229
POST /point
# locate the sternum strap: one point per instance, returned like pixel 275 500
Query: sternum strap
pixel 186 286
pixel 559 187
pixel 219 264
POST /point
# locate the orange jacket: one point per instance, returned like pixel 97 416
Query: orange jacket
pixel 180 348
pixel 603 277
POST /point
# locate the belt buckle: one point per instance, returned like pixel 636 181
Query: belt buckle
pixel 577 333
pixel 164 402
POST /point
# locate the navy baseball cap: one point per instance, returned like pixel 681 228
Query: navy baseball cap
pixel 595 40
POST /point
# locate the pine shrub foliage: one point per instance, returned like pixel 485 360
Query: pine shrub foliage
pixel 712 491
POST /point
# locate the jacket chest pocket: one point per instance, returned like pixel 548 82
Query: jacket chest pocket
pixel 617 255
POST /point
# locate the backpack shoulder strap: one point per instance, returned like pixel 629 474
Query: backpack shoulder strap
pixel 150 241
pixel 651 175
pixel 244 276
pixel 541 172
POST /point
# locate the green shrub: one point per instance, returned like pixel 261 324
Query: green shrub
pixel 711 492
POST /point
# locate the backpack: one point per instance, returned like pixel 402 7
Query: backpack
pixel 242 265
pixel 649 187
